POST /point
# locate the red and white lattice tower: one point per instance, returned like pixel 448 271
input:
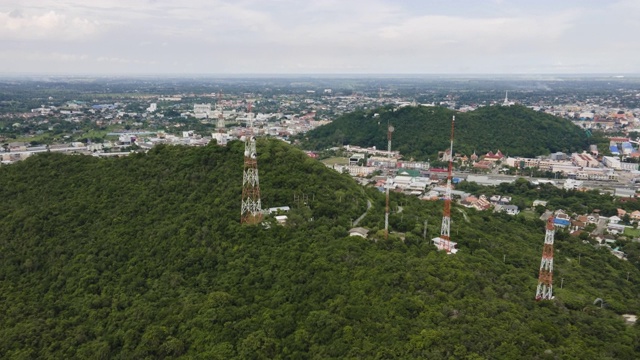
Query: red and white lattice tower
pixel 444 241
pixel 545 279
pixel 251 212
pixel 388 183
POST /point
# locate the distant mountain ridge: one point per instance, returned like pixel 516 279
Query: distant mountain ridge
pixel 420 132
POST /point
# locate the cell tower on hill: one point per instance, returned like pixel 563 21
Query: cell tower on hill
pixel 221 137
pixel 506 101
pixel 388 183
pixel 251 212
pixel 443 242
pixel 545 279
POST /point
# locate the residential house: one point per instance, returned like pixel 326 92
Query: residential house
pixel 482 203
pixel 577 225
pixel 614 220
pixel 539 203
pixel 615 228
pixel 469 201
pixel 509 209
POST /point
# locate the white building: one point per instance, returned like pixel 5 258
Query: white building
pixel 202 111
pixel 612 162
pixel 126 139
pixel 153 107
pixel 603 174
pixel 509 209
pixel 571 184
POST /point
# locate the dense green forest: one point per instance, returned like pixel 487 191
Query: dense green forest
pixel 144 257
pixel 420 132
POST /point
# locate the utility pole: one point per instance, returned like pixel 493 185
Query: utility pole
pixel 424 231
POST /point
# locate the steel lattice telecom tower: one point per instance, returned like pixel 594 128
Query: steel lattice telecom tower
pixel 445 229
pixel 222 140
pixel 388 184
pixel 251 207
pixel 545 279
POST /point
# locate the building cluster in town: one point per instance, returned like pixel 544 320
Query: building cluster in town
pixel 285 112
pixel 604 230
pixel 175 119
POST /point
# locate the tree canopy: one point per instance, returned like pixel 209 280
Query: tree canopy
pixel 144 257
pixel 420 132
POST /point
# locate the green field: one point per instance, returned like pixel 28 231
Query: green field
pixel 336 161
pixel 529 214
pixel 632 232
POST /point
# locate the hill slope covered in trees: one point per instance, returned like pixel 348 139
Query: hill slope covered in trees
pixel 420 132
pixel 144 257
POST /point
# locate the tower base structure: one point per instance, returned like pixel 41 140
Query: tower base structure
pixel 446 245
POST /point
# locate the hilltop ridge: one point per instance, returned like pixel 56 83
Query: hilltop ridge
pixel 144 256
pixel 420 132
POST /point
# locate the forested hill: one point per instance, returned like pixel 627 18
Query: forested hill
pixel 144 257
pixel 420 132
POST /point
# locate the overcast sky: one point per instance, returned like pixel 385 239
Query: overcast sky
pixel 319 36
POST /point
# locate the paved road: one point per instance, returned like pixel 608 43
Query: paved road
pixel 466 218
pixel 355 223
pixel 623 183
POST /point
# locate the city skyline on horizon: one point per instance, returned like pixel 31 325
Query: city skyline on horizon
pixel 320 38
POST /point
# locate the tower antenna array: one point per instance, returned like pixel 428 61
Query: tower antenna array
pixel 545 279
pixel 388 183
pixel 251 212
pixel 221 136
pixel 444 241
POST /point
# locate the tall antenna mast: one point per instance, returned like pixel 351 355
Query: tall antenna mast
pixel 388 184
pixel 220 125
pixel 545 279
pixel 251 212
pixel 445 229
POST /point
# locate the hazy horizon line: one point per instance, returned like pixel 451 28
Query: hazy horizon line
pixel 317 75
